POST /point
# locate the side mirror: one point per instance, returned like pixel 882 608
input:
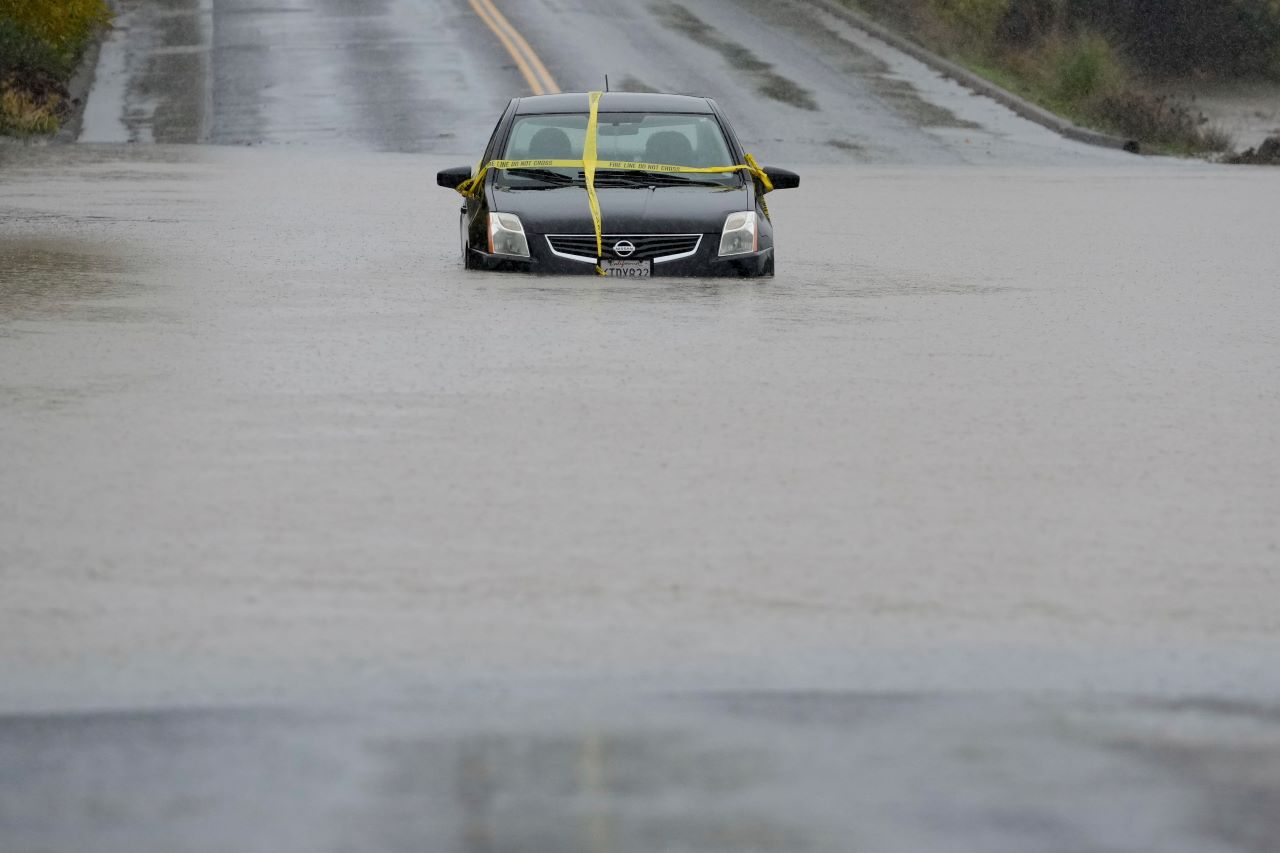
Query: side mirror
pixel 782 179
pixel 451 178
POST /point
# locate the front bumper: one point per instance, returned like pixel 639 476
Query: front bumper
pixel 704 263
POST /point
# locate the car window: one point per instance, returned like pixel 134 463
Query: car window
pixel 670 139
pixel 490 150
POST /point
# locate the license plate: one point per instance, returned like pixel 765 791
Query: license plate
pixel 626 269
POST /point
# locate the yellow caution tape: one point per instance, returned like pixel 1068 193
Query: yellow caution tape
pixel 589 175
pixel 589 164
pixel 471 186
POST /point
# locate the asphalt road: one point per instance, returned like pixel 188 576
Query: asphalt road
pixel 429 76
pixel 959 534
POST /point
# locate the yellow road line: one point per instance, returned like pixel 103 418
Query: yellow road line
pixel 548 82
pixel 535 73
pixel 524 67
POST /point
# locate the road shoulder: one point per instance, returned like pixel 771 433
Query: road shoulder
pixel 976 82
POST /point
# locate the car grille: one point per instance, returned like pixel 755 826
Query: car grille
pixel 649 247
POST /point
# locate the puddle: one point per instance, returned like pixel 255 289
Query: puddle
pixel 633 84
pixel 46 277
pixel 848 145
pixel 899 94
pixel 768 82
pixel 905 100
pixel 589 792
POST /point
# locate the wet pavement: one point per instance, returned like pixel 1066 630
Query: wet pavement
pixel 413 76
pixel 974 503
pixel 743 771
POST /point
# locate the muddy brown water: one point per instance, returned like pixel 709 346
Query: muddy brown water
pixel 997 442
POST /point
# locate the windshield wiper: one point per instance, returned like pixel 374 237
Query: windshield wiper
pixel 546 176
pixel 646 178
pixel 634 177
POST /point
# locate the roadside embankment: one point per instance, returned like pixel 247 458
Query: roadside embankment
pixel 1102 66
pixel 42 43
pixel 1266 154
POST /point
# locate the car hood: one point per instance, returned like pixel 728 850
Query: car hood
pixel 664 210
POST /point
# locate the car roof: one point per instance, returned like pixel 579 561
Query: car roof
pixel 615 102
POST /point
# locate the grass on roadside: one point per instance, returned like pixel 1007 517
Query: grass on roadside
pixel 1083 78
pixel 41 43
pixel 22 114
pixel 1070 69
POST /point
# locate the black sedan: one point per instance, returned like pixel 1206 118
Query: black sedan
pixel 675 193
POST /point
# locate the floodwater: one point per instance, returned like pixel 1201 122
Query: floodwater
pixel 254 409
pixel 983 483
pixel 959 534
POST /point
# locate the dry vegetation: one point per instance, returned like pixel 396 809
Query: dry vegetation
pixel 1102 62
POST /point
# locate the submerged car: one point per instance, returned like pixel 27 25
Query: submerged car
pixel 677 195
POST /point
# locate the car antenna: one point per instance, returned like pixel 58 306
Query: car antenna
pixel 606 82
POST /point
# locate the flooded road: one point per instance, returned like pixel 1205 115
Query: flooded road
pixel 991 466
pixel 960 533
pixel 251 395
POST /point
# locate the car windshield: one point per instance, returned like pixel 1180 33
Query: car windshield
pixel 672 139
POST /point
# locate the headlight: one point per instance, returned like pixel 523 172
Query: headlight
pixel 506 235
pixel 740 234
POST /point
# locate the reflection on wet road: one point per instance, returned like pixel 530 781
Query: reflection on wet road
pixel 801 85
pixel 740 771
pixel 43 280
pixel 1002 434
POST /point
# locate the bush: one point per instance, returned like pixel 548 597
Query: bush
pixel 977 20
pixel 908 16
pixel 24 114
pixel 1084 67
pixel 64 26
pixel 41 41
pixel 1159 121
pixel 1230 37
pixel 21 51
pixel 1026 22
